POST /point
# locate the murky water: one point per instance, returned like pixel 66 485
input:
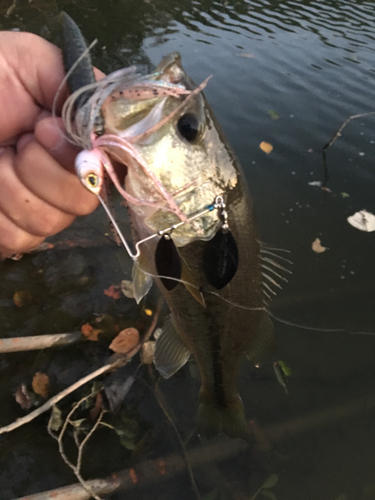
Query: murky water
pixel 288 73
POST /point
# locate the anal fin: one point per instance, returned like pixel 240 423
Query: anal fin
pixel 170 353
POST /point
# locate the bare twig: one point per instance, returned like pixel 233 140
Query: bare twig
pixel 117 362
pixel 338 133
pixel 17 344
pixel 76 468
pixel 58 397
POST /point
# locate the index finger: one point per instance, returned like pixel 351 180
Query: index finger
pixel 31 72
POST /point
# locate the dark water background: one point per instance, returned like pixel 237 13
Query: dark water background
pixel 312 63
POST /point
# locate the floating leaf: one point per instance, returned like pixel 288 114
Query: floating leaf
pixel 345 195
pixel 40 384
pixel 23 397
pixel 317 246
pixel 127 288
pixel 271 481
pixel 273 114
pixel 90 332
pixel 280 375
pixel 315 183
pixel 125 341
pixel 127 437
pixel 363 220
pixel 55 420
pixel 285 368
pixel 113 291
pixel 127 443
pixel 266 147
pixel 148 312
pixel 22 298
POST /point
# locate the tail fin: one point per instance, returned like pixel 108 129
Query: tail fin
pixel 213 420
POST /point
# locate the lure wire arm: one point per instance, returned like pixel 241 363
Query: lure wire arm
pixel 218 204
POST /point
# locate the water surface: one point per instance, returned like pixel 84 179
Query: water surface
pixel 310 65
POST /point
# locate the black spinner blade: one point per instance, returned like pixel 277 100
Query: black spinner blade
pixel 168 262
pixel 220 259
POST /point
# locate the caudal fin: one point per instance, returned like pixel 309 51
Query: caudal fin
pixel 213 420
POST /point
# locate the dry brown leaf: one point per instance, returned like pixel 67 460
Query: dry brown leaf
pixel 94 412
pixel 22 298
pixel 317 246
pixel 22 397
pixel 125 341
pixel 266 147
pixel 113 291
pixel 40 384
pixel 90 332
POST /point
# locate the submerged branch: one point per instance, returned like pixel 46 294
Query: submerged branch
pixel 58 397
pixel 338 133
pixel 34 342
pixel 118 360
pixel 147 472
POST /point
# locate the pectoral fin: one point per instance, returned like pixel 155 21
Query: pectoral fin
pixel 264 342
pixel 142 282
pixel 170 353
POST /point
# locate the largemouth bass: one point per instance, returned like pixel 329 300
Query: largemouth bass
pixel 193 225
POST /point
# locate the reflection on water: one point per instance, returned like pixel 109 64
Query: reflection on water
pixel 288 73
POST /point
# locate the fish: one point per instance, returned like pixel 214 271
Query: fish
pixel 193 228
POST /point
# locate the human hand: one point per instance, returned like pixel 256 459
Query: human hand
pixel 39 192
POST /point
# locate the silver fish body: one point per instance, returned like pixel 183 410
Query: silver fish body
pixel 231 321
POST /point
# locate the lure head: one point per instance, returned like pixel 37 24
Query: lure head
pixel 89 168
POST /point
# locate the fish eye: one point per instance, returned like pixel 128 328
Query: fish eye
pixel 92 180
pixel 188 127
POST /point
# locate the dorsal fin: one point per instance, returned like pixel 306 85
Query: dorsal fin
pixel 271 270
pixel 170 353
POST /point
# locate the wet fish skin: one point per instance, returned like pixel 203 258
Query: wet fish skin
pixel 219 334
